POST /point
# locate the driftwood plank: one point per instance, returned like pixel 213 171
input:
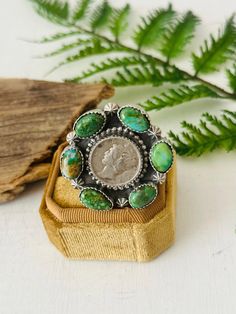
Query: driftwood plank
pixel 34 118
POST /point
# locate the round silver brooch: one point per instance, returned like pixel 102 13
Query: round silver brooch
pixel 116 158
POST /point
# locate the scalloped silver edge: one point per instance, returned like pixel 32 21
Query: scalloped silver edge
pixel 172 150
pixel 139 186
pixel 93 188
pixel 97 111
pixel 140 110
pixel 82 157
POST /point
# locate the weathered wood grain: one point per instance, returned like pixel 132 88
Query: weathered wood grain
pixel 34 118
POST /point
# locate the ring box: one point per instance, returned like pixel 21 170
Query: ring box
pixel 119 234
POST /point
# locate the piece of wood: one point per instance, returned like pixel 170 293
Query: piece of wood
pixel 35 117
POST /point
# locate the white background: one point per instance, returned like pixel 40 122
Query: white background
pixel 197 275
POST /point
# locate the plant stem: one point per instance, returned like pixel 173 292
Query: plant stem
pixel 193 77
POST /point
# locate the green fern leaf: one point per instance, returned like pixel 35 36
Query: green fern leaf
pixel 212 133
pixel 101 16
pixel 95 47
pixel 55 37
pixel 179 35
pixel 76 44
pixel 174 97
pixel 144 74
pixel 217 51
pixel 55 11
pixel 81 10
pixel 119 21
pixel 231 75
pixel 109 64
pixel 152 29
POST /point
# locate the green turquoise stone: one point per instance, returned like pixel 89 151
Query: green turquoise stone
pixel 161 156
pixel 142 196
pixel 134 119
pixel 71 163
pixel 89 124
pixel 94 199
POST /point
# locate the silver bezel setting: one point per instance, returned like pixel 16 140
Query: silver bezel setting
pixel 164 140
pixel 113 133
pixel 95 189
pixel 141 111
pixel 138 187
pixel 82 158
pixel 118 194
pixel 97 111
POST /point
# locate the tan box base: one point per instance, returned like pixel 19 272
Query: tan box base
pixel 121 234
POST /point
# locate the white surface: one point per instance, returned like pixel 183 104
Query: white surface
pixel 197 275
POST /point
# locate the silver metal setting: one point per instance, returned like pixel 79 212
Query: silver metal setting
pixel 111 107
pixel 141 111
pixel 97 111
pixel 164 140
pixel 145 184
pixel 116 133
pixel 95 189
pixel 136 152
pixel 82 158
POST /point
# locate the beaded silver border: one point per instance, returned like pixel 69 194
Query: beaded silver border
pixel 96 189
pixel 173 155
pixel 118 132
pixel 97 111
pixel 141 111
pixel 139 186
pixel 82 157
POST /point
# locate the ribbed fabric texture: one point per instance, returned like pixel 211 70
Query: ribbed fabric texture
pixel 80 233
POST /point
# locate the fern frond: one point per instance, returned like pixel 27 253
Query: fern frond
pixel 95 47
pixel 109 64
pixel 152 29
pixel 80 10
pixel 119 21
pixel 101 15
pixel 64 48
pixel 212 133
pixel 179 35
pixel 56 11
pixel 144 74
pixel 55 37
pixel 180 95
pixel 216 51
pixel 231 75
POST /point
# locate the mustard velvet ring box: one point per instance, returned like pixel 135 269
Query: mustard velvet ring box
pixel 110 194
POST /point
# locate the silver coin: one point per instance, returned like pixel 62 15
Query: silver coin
pixel 115 161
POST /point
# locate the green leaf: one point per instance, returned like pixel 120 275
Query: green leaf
pixel 180 95
pixel 55 37
pixel 179 35
pixel 144 74
pixel 119 21
pixel 212 133
pixel 109 64
pixel 101 15
pixel 55 11
pixel 231 75
pixel 216 51
pixel 81 10
pixel 76 44
pixel 95 47
pixel 153 28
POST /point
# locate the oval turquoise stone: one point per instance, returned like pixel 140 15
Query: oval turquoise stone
pixel 71 163
pixel 142 196
pixel 89 124
pixel 94 199
pixel 134 119
pixel 161 156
